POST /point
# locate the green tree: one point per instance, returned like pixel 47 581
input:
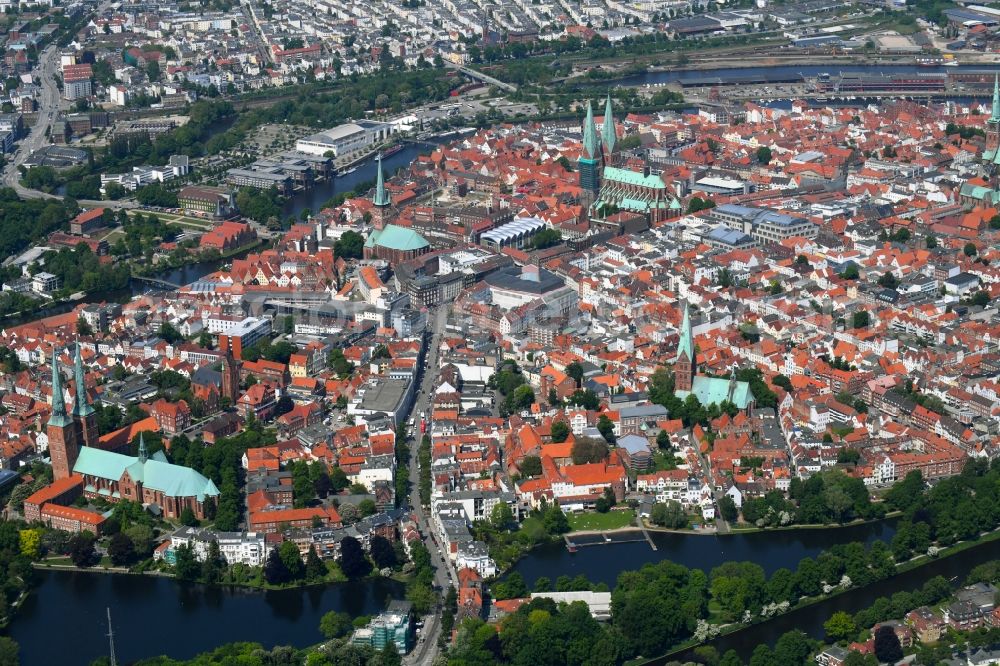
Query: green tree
pixel 382 552
pixel 188 518
pixel 350 245
pixel 575 370
pixel 9 650
pixel 530 466
pixel 81 549
pixel 121 550
pixel 861 319
pixel 887 647
pixel 840 626
pixel 315 569
pixel 607 428
pixel 970 250
pixel 559 431
pixel 335 625
pixel 214 566
pixel 764 155
pixel 292 559
pixel 186 565
pixel 501 517
pixel 555 520
pixel 353 562
pixel 668 514
pixel 275 571
pixel 727 509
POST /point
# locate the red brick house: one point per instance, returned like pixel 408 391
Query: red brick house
pixel 172 417
pixel 274 520
pixel 259 401
pixel 301 416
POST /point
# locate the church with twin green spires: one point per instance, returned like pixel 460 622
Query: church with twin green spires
pixel 150 480
pixel 608 188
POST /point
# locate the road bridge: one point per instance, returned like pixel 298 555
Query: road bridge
pixel 485 78
pixel 156 283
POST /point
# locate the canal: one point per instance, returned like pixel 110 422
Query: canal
pixel 770 549
pixel 810 619
pixel 314 198
pixel 64 621
pixel 182 275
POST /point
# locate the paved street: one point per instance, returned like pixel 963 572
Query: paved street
pixel 426 648
pixel 47 111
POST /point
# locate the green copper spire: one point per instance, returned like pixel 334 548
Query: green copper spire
pixel 995 114
pixel 381 196
pixel 591 147
pixel 685 345
pixel 59 417
pixel 81 406
pixel 608 131
pixel 143 456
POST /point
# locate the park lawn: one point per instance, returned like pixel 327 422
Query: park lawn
pixel 611 520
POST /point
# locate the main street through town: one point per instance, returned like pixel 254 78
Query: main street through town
pixel 427 646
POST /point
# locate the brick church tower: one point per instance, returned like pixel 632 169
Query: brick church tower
pixel 684 364
pixel 83 412
pixel 62 430
pixel 230 378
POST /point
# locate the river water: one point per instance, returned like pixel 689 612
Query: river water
pixel 770 549
pixel 64 620
pixel 315 198
pixel 810 619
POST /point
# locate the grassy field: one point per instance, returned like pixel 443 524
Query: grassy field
pixel 175 218
pixel 611 520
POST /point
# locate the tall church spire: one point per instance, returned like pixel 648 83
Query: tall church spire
pixel 685 345
pixel 81 405
pixel 684 364
pixel 143 456
pixel 591 145
pixel 995 113
pixel 608 131
pixel 59 417
pixel 381 196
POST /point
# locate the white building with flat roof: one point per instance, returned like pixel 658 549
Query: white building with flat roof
pixel 346 138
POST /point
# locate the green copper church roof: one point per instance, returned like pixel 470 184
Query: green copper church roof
pixel 629 203
pixel 980 193
pixel 715 390
pixel 394 237
pixel 614 174
pixel 59 417
pixel 608 132
pixel 154 473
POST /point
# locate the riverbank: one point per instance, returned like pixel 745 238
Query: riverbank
pixel 402 578
pixel 908 568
